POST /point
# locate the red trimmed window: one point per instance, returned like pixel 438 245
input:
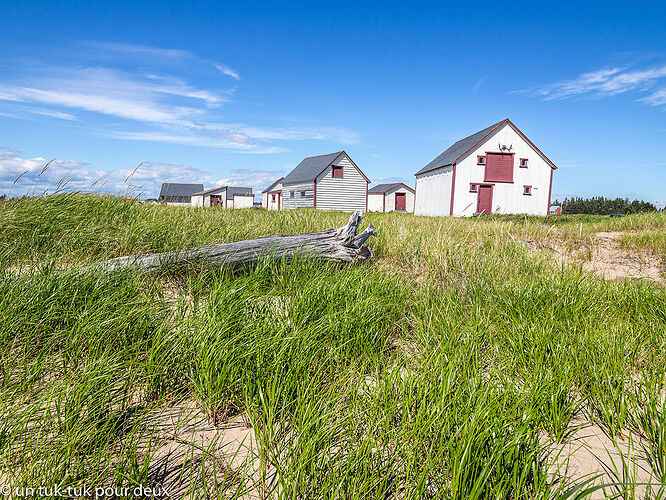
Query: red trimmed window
pixel 473 188
pixel 291 194
pixel 273 198
pixel 499 167
pixel 337 171
pixel 523 163
pixel 527 190
pixel 480 160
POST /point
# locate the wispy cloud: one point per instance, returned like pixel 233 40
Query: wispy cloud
pixel 257 179
pixel 130 92
pixel 606 82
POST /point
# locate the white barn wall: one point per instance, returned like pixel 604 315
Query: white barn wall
pixel 433 192
pixel 242 201
pixel 390 199
pixel 197 200
pixel 375 203
pixel 264 200
pixel 346 194
pixel 507 197
pixel 298 201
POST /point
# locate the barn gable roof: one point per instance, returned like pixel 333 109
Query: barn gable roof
pixel 463 147
pixel 236 190
pixel 311 167
pixel 177 189
pixel 272 185
pixel 385 188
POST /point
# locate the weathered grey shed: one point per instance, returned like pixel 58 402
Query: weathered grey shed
pixel 173 193
pixel 327 182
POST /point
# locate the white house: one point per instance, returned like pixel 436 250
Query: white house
pixel 224 197
pixel 496 170
pixel 326 182
pixel 393 197
pixel 271 197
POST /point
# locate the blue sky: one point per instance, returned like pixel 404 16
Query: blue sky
pixel 240 92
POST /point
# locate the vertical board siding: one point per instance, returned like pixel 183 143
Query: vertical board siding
pixel 197 201
pixel 433 192
pixel 346 194
pixel 375 202
pixel 298 201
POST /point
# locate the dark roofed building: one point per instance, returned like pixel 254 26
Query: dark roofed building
pixel 224 197
pixel 173 192
pixel 328 182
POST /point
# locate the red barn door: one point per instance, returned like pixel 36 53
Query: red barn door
pixel 484 201
pixel 400 201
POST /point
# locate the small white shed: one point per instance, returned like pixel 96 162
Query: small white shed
pixel 271 197
pixel 392 197
pixel 224 197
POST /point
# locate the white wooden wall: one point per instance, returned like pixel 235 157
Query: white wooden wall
pixel 241 201
pixel 346 194
pixel 390 199
pixel 433 192
pixel 375 202
pixel 264 200
pixel 197 200
pixel 298 201
pixel 508 198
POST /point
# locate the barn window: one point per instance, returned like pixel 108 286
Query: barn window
pixel 480 160
pixel 527 190
pixel 273 198
pixel 302 194
pixel 499 167
pixel 337 171
pixel 473 188
pixel 523 163
pixel 291 194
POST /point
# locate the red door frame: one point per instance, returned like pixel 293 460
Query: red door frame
pixel 403 197
pixel 479 194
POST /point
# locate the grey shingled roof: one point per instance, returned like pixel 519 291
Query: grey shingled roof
pixel 272 185
pixel 232 190
pixel 459 148
pixel 383 188
pixel 310 168
pixel 170 189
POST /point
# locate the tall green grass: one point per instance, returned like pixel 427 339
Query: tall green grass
pixel 445 368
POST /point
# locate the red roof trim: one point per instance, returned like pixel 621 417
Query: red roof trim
pixel 393 187
pixel 208 191
pixel 493 131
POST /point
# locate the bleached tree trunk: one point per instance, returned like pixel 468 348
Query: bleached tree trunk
pixel 342 245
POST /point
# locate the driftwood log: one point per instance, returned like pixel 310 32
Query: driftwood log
pixel 342 245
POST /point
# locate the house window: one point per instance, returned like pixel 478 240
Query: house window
pixel 302 194
pixel 291 194
pixel 273 198
pixel 337 171
pixel 527 190
pixel 499 167
pixel 480 160
pixel 473 188
pixel 523 163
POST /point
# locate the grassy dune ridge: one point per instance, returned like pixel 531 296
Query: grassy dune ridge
pixel 445 368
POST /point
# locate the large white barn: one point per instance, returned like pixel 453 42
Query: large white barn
pixel 392 197
pixel 496 170
pixel 224 197
pixel 326 182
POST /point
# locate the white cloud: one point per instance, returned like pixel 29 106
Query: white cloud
pixel 603 82
pixel 257 179
pixel 150 104
pixel 79 176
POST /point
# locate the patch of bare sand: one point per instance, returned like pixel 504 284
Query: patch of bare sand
pixel 608 259
pixel 194 458
pixel 590 453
